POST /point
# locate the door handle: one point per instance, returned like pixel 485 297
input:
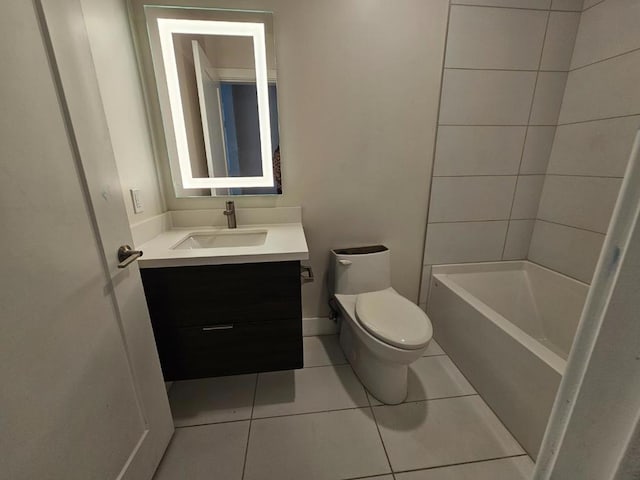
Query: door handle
pixel 127 255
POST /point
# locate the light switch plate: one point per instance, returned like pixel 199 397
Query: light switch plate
pixel 136 198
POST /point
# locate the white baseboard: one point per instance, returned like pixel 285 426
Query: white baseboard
pixel 318 326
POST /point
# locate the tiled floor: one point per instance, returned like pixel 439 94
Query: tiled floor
pixel 319 423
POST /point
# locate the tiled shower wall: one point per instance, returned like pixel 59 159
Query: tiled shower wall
pixel 599 117
pixel 505 71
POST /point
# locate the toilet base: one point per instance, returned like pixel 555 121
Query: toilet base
pixel 385 380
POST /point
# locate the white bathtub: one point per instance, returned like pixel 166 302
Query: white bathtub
pixel 508 326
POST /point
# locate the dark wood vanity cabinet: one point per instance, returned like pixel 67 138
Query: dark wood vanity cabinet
pixel 225 319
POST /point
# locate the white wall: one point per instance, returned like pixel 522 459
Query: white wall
pixel 358 85
pixel 504 76
pixel 116 67
pixel 599 117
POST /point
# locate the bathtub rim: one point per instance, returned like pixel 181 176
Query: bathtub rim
pixel 440 273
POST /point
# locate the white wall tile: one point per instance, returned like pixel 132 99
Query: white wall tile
pixel 464 242
pixel 583 202
pixel 600 148
pixel 537 149
pixel 573 5
pixel 548 98
pixel 535 4
pixel 478 150
pixel 571 251
pixel 605 89
pixel 527 196
pixel 559 41
pixel 456 199
pixel 607 30
pixel 486 97
pixel 518 239
pixel 477 38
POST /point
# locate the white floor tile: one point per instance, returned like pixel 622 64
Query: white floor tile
pixel 519 468
pixel 210 400
pixel 433 349
pixel 443 432
pixel 195 453
pixel 308 390
pixel 317 446
pixel 322 350
pixel 434 377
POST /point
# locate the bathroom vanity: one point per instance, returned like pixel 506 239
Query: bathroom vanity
pixel 221 307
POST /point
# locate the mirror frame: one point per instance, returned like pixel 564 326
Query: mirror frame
pixel 166 28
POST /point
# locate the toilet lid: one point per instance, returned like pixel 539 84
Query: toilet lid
pixel 393 319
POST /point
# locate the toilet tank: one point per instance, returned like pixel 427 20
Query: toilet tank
pixel 361 269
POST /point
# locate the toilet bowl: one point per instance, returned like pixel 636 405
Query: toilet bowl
pixel 381 332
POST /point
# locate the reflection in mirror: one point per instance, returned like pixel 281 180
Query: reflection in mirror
pixel 216 81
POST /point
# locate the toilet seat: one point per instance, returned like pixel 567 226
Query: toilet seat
pixel 393 319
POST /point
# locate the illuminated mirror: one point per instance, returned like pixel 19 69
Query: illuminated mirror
pixel 214 72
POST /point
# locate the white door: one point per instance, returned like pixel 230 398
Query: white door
pixel 82 392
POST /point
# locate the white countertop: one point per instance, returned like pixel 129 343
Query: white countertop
pixel 284 242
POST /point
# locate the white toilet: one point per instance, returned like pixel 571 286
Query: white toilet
pixel 381 332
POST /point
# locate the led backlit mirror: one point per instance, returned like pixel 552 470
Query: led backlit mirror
pixel 214 72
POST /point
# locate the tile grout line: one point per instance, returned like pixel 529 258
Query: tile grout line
pixel 406 402
pixel 514 125
pixel 591 6
pixel 361 407
pixel 489 220
pixel 602 60
pixel 559 124
pixel 571 226
pixel 470 462
pixel 485 69
pixel 246 448
pixel 446 465
pixel 529 175
pixel 434 151
pixel 375 421
pixel 526 133
pixel 600 119
pixel 503 7
pixel 466 175
pixel 569 70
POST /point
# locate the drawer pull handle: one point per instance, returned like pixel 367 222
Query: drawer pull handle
pixel 217 327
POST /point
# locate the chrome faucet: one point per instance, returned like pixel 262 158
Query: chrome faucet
pixel 230 213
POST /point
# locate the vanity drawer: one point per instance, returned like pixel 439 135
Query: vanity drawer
pixel 213 350
pixel 221 294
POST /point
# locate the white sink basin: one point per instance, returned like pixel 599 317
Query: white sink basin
pixel 222 239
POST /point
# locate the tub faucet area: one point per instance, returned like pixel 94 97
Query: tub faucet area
pixel 230 213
